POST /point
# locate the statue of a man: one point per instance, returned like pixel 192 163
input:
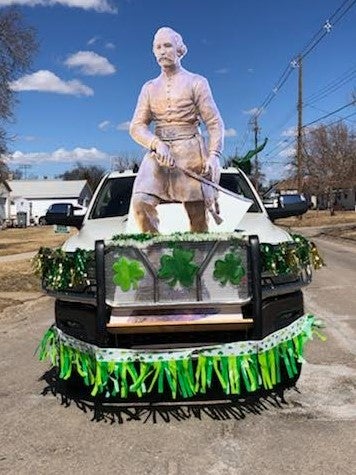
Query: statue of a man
pixel 177 101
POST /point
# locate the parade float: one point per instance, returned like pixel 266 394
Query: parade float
pixel 178 315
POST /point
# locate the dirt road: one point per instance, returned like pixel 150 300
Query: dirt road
pixel 313 432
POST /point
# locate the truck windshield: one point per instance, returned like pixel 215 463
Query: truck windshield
pixel 115 195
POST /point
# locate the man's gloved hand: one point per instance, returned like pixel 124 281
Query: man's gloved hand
pixel 162 154
pixel 212 168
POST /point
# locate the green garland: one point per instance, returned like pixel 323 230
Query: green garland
pixel 60 270
pixel 64 271
pixel 145 239
pixel 290 257
pixel 236 367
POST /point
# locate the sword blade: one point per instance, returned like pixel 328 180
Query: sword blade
pixel 216 186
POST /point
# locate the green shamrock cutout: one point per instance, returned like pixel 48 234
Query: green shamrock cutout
pixel 178 268
pixel 230 269
pixel 127 273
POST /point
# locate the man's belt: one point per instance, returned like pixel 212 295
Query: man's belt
pixel 176 132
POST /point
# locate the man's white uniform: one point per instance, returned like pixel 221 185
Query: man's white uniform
pixel 176 103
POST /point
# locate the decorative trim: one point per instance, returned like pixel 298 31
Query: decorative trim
pixel 239 366
pixel 60 270
pixel 290 257
pixel 64 271
pixel 148 239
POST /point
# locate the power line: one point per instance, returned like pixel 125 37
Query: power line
pixel 335 17
pixel 291 142
pixel 332 87
pixel 340 119
pixel 329 114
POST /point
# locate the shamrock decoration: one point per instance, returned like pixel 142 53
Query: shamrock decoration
pixel 230 269
pixel 178 268
pixel 127 273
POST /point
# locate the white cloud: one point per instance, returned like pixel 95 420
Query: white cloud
pixel 222 71
pixel 287 152
pixel 60 156
pixel 230 132
pixel 290 132
pixel 123 126
pixel 250 70
pixel 25 138
pixel 46 81
pixel 90 63
pixel 92 40
pixel 252 111
pixel 101 6
pixel 104 125
pixel 110 45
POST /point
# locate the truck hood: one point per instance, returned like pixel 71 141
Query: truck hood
pixel 105 228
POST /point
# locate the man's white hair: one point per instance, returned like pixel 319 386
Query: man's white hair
pixel 181 47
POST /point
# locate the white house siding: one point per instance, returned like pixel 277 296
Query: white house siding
pixel 40 194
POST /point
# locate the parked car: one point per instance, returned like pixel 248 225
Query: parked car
pixel 62 210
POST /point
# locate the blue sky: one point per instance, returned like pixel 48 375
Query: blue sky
pixel 76 102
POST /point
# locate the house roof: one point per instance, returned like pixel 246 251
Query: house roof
pixel 31 189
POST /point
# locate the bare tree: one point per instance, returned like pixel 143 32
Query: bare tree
pixel 329 156
pixel 91 173
pixel 125 161
pixel 17 46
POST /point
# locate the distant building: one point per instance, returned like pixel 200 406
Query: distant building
pixel 33 197
pixel 343 198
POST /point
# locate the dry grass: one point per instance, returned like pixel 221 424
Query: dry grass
pixel 18 276
pixel 17 283
pixel 18 240
pixel 319 218
pixel 8 302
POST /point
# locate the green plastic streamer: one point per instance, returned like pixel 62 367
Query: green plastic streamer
pixel 185 377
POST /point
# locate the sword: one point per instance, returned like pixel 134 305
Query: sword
pixel 216 186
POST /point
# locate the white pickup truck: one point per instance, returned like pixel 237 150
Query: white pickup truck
pixel 137 315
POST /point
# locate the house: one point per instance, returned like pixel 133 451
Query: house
pixel 343 198
pixel 5 191
pixel 33 197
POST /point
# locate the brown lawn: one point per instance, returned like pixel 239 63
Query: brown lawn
pixel 18 283
pixel 319 218
pixel 18 240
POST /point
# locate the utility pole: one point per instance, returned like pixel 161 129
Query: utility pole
pixel 300 125
pixel 256 129
pixel 25 167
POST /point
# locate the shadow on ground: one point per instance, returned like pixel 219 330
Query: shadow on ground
pixel 114 410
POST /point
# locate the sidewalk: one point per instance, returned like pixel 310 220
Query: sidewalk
pixel 18 257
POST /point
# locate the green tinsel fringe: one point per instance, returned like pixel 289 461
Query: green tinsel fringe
pixel 182 377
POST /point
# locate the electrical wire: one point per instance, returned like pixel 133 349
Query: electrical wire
pixel 335 17
pixel 329 114
pixel 332 87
